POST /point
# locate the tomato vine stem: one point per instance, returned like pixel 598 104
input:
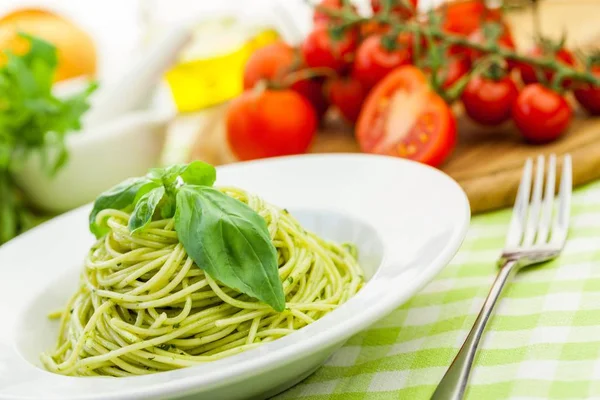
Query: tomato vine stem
pixel 348 18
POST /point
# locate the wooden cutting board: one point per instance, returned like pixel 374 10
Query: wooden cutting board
pixel 487 161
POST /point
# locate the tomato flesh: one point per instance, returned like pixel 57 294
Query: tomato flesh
pixel 403 117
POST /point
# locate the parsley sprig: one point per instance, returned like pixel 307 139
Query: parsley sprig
pixel 32 119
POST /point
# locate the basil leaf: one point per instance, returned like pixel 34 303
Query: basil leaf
pixel 148 186
pixel 118 197
pixel 156 174
pixel 145 208
pixel 170 173
pixel 199 173
pixel 230 241
pixel 167 210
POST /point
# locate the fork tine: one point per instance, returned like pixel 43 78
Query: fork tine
pixel 560 227
pixel 546 215
pixel 535 205
pixel 517 221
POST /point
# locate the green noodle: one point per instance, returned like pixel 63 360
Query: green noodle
pixel 144 307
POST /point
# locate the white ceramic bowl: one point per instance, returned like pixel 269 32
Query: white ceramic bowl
pixel 100 157
pixel 407 219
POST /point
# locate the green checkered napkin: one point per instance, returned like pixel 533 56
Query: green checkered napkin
pixel 543 341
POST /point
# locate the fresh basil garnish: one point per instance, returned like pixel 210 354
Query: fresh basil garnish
pixel 199 173
pixel 144 209
pixel 224 237
pixel 230 241
pixel 118 198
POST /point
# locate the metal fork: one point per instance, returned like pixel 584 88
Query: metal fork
pixel 537 233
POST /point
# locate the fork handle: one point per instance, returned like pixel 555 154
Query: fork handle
pixel 453 384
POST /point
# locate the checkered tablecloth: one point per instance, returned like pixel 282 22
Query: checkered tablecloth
pixel 542 342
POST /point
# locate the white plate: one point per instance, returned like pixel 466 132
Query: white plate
pixel 407 219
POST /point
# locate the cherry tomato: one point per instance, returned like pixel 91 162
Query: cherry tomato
pixel 489 102
pixel 321 50
pixel 373 62
pixel 397 7
pixel 505 40
pixel 312 90
pixel 347 95
pixel 321 16
pixel 464 17
pixel 271 62
pixel 373 28
pixel 456 67
pixel 528 73
pixel 258 128
pixel 275 63
pixel 589 95
pixel 541 114
pixel 402 116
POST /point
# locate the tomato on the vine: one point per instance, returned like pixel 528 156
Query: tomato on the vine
pixel 489 101
pixel 322 16
pixel 397 8
pixel 402 116
pixel 589 95
pixel 478 36
pixel 373 28
pixel 528 72
pixel 347 95
pixel 271 62
pixel 456 67
pixel 541 114
pixel 257 127
pixel 276 63
pixel 312 90
pixel 464 17
pixel 321 49
pixel 372 61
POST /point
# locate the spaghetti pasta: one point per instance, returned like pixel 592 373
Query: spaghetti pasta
pixel 143 306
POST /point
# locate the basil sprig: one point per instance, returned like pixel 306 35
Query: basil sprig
pixel 224 237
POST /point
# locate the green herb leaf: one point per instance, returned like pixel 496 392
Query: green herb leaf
pixel 118 197
pixel 199 173
pixel 230 241
pixel 145 208
pixel 32 119
pixel 194 173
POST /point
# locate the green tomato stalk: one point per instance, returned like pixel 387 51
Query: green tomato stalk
pixel 433 31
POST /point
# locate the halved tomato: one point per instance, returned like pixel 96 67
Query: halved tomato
pixel 403 117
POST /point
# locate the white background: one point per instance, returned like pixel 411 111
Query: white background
pixel 117 26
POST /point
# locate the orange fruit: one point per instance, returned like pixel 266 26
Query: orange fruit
pixel 76 49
